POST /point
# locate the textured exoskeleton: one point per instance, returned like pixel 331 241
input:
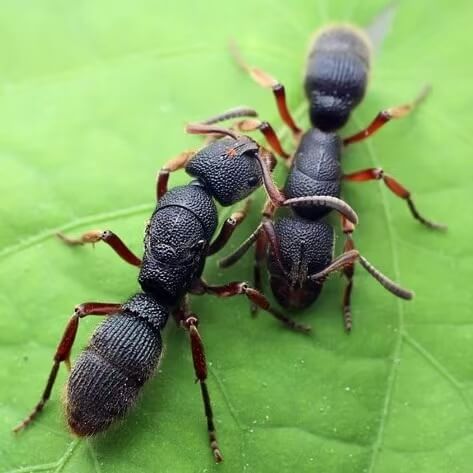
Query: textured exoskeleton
pixel 122 355
pixel 336 75
pixel 125 349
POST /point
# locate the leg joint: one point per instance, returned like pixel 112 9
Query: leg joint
pixel 190 321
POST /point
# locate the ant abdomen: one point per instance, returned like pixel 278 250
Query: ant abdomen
pixel 337 75
pixel 122 355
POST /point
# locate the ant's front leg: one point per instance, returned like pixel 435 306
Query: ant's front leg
pixel 228 228
pixel 107 236
pixel 63 350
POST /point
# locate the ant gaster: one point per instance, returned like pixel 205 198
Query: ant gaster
pixel 125 350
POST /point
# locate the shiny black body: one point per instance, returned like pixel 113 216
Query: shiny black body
pixel 335 83
pixel 316 170
pixel 306 248
pixel 299 250
pixel 121 356
pixel 306 240
pixel 176 242
pixel 337 75
pixel 125 349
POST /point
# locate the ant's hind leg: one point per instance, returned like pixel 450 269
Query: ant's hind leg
pixel 387 115
pixel 107 236
pixel 189 322
pixel 264 79
pixel 63 351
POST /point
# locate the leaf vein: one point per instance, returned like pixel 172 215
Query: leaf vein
pixel 93 218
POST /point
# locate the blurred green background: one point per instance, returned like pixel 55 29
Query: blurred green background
pixel 93 100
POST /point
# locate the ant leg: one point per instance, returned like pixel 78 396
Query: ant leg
pixel 260 257
pixel 265 80
pixel 267 238
pixel 396 188
pixel 63 351
pixel 268 213
pixel 228 228
pixel 349 272
pixel 385 116
pixel 107 236
pixel 268 132
pixel 236 288
pixel 189 322
pixel 232 258
pixel 179 162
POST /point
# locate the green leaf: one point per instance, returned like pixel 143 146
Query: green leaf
pixel 94 99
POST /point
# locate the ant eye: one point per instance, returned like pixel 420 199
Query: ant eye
pixel 253 181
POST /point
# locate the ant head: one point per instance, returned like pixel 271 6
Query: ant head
pixel 305 247
pixel 228 168
pixel 328 113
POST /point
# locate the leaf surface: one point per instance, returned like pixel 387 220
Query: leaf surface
pixel 94 99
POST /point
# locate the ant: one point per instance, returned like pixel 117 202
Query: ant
pixel 125 349
pixel 335 83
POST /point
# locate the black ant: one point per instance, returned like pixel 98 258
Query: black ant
pixel 301 246
pixel 124 351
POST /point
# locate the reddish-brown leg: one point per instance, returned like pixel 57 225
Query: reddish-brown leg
pixel 266 238
pixel 107 236
pixel 236 288
pixel 273 241
pixel 228 228
pixel 179 162
pixel 265 233
pixel 63 350
pixel 396 188
pixel 260 257
pixel 189 322
pixel 269 239
pixel 268 132
pixel 265 80
pixel 232 258
pixel 385 116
